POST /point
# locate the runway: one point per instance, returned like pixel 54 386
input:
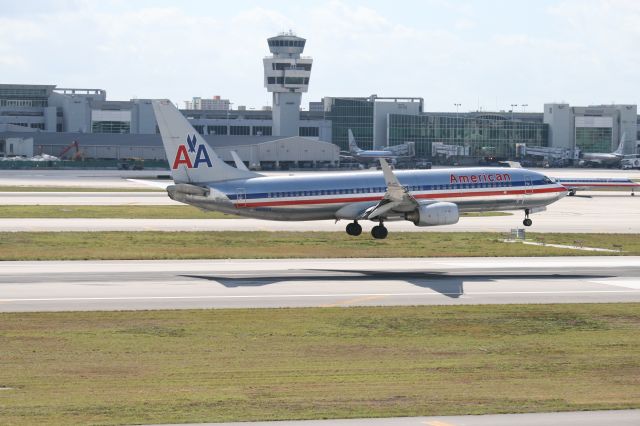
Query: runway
pixel 611 214
pixel 87 199
pixel 574 418
pixel 116 285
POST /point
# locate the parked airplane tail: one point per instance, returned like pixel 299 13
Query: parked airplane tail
pixel 190 158
pixel 620 149
pixel 353 146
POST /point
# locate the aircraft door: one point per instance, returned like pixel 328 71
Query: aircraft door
pixel 528 185
pixel 241 197
pixel 528 189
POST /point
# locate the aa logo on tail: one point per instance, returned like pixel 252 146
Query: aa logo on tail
pixel 185 152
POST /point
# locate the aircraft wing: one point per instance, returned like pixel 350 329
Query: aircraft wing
pixel 397 199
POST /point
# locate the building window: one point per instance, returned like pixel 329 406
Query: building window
pixel 110 127
pixel 239 130
pixel 309 131
pixel 199 128
pixel 594 139
pixel 261 130
pixel 294 80
pixel 271 80
pixel 281 66
pixel 217 130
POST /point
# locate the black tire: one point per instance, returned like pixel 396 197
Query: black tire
pixel 354 229
pixel 379 232
pixel 527 222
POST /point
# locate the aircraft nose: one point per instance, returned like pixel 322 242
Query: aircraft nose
pixel 562 193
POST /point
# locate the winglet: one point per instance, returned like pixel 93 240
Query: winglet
pixel 389 178
pixel 238 161
pixel 395 191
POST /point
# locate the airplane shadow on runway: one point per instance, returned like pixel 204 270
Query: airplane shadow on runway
pixel 450 285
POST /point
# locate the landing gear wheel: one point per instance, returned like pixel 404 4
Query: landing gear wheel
pixel 379 232
pixel 572 192
pixel 354 229
pixel 527 222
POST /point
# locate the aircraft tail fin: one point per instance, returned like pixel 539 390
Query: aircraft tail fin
pixel 353 146
pixel 190 157
pixel 620 149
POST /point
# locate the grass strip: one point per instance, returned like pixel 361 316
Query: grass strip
pixel 19 188
pixel 263 245
pixel 133 212
pixel 274 364
pixel 109 212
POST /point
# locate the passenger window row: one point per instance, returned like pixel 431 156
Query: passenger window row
pixel 381 190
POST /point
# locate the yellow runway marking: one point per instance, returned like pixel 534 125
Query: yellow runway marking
pixel 352 301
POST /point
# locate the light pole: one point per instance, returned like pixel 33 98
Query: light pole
pixel 513 129
pixel 457 118
pixel 524 106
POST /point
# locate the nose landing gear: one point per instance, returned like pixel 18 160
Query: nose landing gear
pixel 527 221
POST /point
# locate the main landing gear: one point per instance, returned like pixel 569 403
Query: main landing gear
pixel 379 232
pixel 527 221
pixel 354 229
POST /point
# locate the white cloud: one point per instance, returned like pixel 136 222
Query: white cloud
pixel 584 51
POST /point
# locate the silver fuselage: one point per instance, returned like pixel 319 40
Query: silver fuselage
pixel 323 195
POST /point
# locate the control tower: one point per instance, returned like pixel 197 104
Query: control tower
pixel 286 75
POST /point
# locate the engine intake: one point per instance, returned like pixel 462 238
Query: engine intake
pixel 434 214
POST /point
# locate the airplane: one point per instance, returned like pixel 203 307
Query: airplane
pixel 597 184
pixel 424 197
pixel 366 156
pixel 603 158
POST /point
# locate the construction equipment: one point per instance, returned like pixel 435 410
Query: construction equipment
pixel 78 154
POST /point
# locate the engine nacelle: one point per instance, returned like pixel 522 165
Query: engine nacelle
pixel 434 214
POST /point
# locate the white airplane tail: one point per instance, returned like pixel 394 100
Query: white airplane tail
pixel 620 149
pixel 353 146
pixel 190 158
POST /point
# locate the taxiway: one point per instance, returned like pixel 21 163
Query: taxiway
pixel 115 285
pixel 616 214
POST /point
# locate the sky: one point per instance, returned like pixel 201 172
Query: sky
pixel 483 54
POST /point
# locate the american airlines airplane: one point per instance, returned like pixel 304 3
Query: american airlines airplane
pixel 597 184
pixel 604 158
pixel 367 156
pixel 424 197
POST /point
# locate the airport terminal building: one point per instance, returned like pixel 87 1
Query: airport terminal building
pixel 53 118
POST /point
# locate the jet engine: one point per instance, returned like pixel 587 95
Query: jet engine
pixel 434 214
pixel 183 191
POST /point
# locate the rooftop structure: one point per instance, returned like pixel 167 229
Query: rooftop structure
pixel 286 76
